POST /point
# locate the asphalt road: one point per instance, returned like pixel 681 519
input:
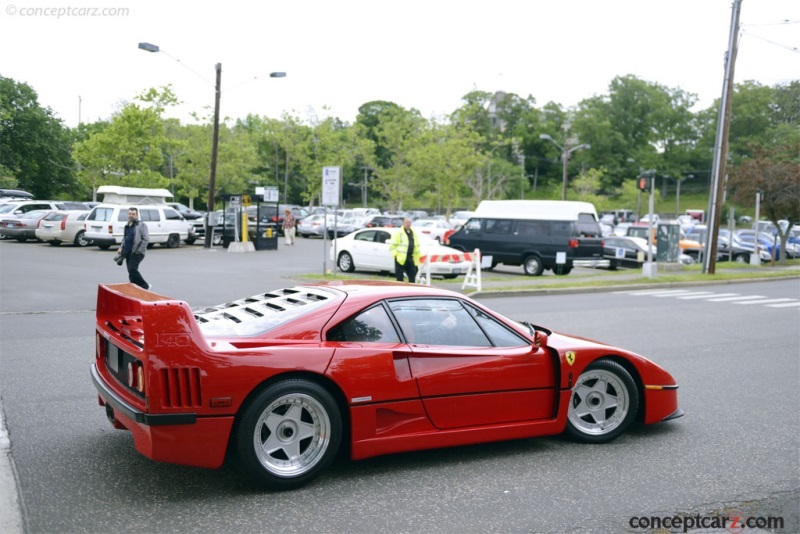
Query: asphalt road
pixel 736 448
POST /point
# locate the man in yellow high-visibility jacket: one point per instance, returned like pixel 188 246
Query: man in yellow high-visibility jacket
pixel 406 251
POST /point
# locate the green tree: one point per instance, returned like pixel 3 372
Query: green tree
pixel 34 145
pixel 775 173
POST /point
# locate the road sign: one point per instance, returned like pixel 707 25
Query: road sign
pixel 331 185
pixel 236 200
pixel 245 200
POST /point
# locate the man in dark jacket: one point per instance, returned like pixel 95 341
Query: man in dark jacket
pixel 134 246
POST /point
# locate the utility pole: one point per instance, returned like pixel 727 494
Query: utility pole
pixel 718 171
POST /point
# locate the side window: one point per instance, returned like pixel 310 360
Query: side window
pixel 532 228
pixel 497 332
pixel 122 215
pixel 382 237
pixel 498 226
pixel 148 215
pixel 172 215
pixel 365 236
pixel 562 228
pixel 473 225
pixel 372 325
pixel 437 322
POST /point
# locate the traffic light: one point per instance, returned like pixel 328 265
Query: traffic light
pixel 644 183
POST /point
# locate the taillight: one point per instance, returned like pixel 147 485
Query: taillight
pixel 64 223
pixel 573 243
pixel 100 346
pixel 110 229
pixel 136 376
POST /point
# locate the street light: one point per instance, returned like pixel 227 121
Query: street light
pixel 149 47
pixel 565 153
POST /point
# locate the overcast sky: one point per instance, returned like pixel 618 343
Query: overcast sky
pixel 339 54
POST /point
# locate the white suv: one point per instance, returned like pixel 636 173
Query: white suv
pixel 105 224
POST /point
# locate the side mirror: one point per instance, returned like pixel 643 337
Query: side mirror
pixel 539 339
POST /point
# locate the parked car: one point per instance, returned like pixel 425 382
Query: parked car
pixel 687 246
pixel 458 218
pixel 627 251
pixel 105 225
pixel 384 221
pixel 283 381
pixel 312 226
pixel 537 234
pixel 433 228
pixel 368 250
pixel 63 227
pixel 14 207
pixel 23 226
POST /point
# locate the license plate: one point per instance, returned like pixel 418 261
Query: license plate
pixel 456 271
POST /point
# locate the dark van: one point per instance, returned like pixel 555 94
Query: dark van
pixel 537 234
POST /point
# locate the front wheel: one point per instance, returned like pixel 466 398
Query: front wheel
pixel 604 403
pixel 288 434
pixel 346 262
pixel 533 266
pixel 173 241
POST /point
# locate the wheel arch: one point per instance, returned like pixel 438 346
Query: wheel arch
pixel 637 379
pixel 325 382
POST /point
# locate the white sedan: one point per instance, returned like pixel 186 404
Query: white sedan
pixel 433 228
pixel 368 250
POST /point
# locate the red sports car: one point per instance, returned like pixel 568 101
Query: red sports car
pixel 281 379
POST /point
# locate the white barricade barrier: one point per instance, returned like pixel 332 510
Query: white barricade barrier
pixel 473 277
pixel 424 276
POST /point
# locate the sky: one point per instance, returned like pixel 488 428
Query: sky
pixel 85 63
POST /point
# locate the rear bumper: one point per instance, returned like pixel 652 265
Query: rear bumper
pixel 183 439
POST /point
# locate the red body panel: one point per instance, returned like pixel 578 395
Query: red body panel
pixel 398 397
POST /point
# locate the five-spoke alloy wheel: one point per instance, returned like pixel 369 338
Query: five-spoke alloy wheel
pixel 288 434
pixel 604 403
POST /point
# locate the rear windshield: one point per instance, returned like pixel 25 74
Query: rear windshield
pixel 101 214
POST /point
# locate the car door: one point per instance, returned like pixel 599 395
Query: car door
pixel 470 368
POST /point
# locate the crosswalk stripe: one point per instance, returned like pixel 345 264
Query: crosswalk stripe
pixel 706 294
pixel 765 301
pixel 739 297
pixel 796 303
pixel 674 293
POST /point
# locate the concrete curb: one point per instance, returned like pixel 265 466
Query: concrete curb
pixel 10 505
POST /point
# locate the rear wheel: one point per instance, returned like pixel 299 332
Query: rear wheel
pixel 562 270
pixel 80 239
pixel 604 403
pixel 288 434
pixel 346 262
pixel 533 266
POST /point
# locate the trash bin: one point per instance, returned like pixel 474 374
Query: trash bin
pixel 266 237
pixel 668 236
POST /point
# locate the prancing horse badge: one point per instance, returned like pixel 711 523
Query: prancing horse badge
pixel 570 356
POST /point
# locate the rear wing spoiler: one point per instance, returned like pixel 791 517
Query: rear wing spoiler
pixel 145 319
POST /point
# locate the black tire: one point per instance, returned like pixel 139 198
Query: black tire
pixel 104 247
pixel 603 404
pixel 173 241
pixel 191 240
pixel 80 240
pixel 22 239
pixel 54 243
pixel 345 263
pixel 562 270
pixel 533 266
pixel 288 434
